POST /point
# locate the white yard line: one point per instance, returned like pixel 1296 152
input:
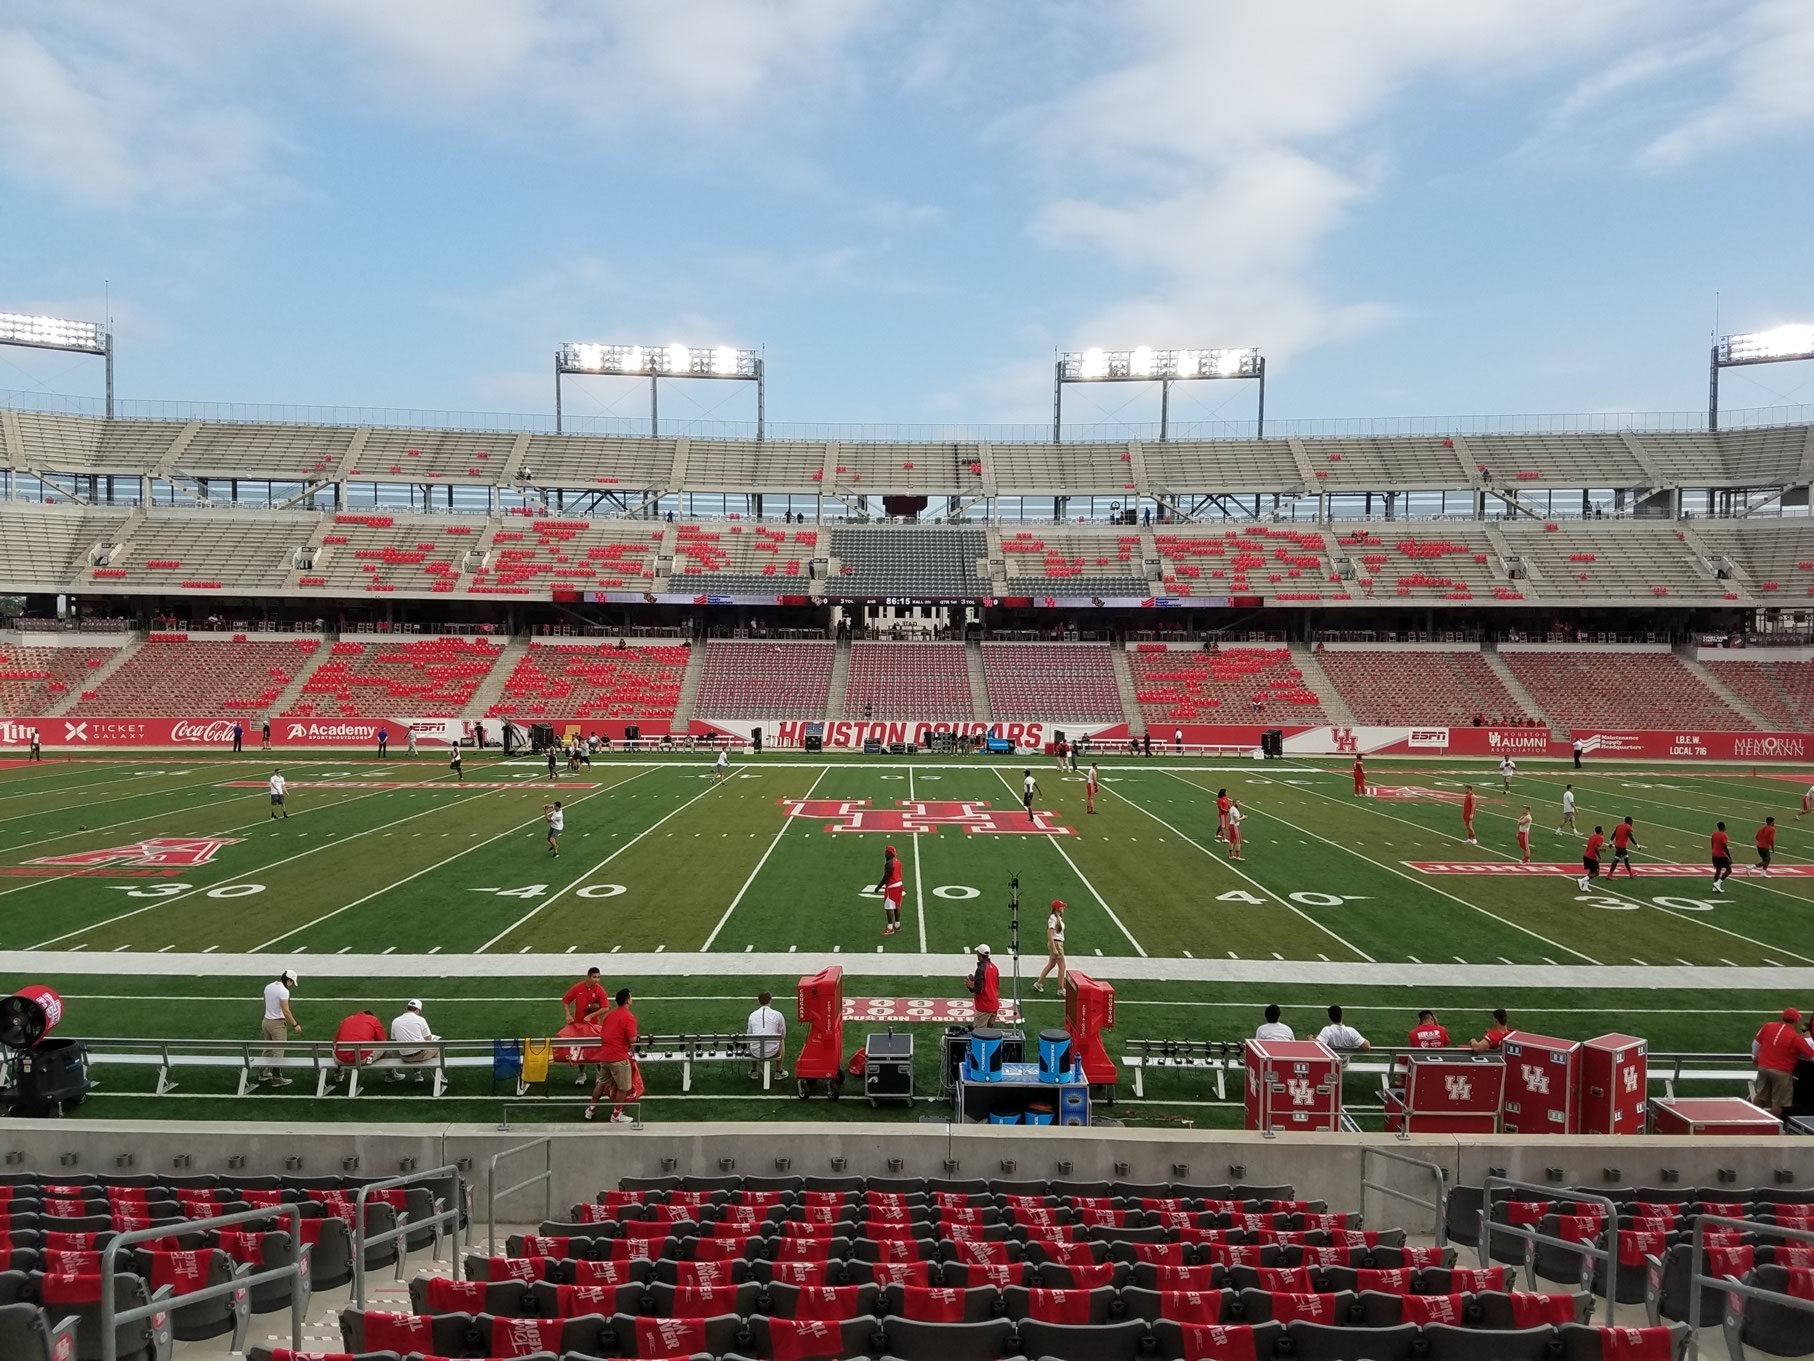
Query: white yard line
pixel 786 822
pixel 1413 879
pixel 1236 869
pixel 1102 902
pixel 575 883
pixel 919 880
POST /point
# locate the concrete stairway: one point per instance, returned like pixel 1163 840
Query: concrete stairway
pixel 689 689
pixel 1526 700
pixel 491 689
pixel 979 685
pixel 93 680
pixel 1728 696
pixel 292 693
pixel 840 681
pixel 1316 680
pixel 1124 682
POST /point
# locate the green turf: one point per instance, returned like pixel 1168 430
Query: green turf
pixel 659 857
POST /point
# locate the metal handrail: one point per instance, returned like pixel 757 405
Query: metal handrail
pixel 1731 1284
pixel 450 1215
pixel 493 1194
pixel 1608 1254
pixel 298 1269
pixel 1440 1205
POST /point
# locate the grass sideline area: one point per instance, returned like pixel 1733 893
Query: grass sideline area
pixel 141 854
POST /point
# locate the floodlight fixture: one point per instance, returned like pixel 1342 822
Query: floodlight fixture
pixel 57 333
pixel 1780 345
pixel 656 362
pixel 1144 364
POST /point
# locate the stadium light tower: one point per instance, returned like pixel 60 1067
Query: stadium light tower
pixel 1784 345
pixel 1164 367
pixel 658 362
pixel 54 333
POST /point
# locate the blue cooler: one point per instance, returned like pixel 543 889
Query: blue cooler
pixel 1039 1117
pixel 983 1062
pixel 1004 1117
pixel 1054 1055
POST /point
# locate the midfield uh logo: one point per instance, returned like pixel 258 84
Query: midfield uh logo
pixel 924 815
pixel 1300 1091
pixel 184 851
pixel 1536 1080
pixel 1459 1088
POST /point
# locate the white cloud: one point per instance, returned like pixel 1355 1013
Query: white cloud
pixel 1216 159
pixel 1770 88
pixel 110 132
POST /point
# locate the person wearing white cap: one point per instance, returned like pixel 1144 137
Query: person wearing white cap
pixel 279 1021
pixel 984 987
pixel 411 1028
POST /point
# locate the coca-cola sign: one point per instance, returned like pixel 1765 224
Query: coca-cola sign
pixel 208 730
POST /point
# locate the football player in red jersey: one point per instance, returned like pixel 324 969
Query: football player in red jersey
pixel 1360 777
pixel 1590 859
pixel 1467 815
pixel 1624 837
pixel 1221 815
pixel 1722 858
pixel 1766 845
pixel 891 887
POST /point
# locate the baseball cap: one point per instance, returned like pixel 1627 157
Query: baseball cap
pixel 982 949
pixel 1791 1014
pixel 888 850
pixel 415 1004
pixel 1057 904
pixel 289 976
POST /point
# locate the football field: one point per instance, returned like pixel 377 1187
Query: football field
pixel 397 858
pixel 158 895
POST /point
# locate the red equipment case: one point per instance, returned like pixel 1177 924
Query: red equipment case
pixel 1293 1085
pixel 820 999
pixel 1542 1084
pixel 1615 1073
pixel 1089 1009
pixel 1447 1094
pixel 1723 1116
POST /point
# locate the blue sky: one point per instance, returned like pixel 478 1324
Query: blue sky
pixel 1413 208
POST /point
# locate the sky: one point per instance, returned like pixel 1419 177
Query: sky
pixel 1413 207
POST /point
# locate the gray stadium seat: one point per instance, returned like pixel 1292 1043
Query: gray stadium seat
pixel 1326 1342
pixel 1171 1339
pixel 28 1333
pixel 1765 1325
pixel 930 1304
pixel 1125 1341
pixel 1579 1342
pixel 914 1341
pixel 669 1337
pixel 1448 1343
pixel 811 1340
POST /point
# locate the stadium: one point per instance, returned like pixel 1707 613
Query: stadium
pixel 627 882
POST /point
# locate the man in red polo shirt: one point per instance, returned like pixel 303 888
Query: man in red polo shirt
pixel 1495 1034
pixel 585 1004
pixel 984 987
pixel 617 1033
pixel 362 1028
pixel 1777 1047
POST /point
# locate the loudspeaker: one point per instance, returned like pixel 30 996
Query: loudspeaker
pixel 632 732
pixel 814 743
pixel 1272 743
pixel 756 739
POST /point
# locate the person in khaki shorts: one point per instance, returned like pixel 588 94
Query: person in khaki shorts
pixel 1777 1047
pixel 617 1037
pixel 279 1021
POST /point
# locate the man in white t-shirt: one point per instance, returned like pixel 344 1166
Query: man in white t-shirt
pixel 1272 1028
pixel 722 767
pixel 1054 947
pixel 1028 788
pixel 768 1031
pixel 1568 810
pixel 1343 1039
pixel 1507 768
pixel 279 1021
pixel 1807 804
pixel 279 787
pixel 411 1028
pixel 557 823
pixel 409 735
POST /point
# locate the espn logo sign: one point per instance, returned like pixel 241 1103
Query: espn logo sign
pixel 1428 738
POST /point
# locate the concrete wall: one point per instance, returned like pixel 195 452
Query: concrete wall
pixel 586 1159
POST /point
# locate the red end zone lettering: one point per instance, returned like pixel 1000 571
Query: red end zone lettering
pixel 1573 869
pixel 184 851
pixel 924 815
